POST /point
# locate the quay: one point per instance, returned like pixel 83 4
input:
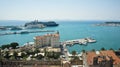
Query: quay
pixel 25 32
pixel 83 41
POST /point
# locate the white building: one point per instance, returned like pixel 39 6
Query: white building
pixel 48 40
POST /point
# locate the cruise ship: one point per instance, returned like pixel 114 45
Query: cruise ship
pixel 37 24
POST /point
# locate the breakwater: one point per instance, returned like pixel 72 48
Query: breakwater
pixel 25 32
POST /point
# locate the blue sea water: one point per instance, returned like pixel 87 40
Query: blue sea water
pixel 106 36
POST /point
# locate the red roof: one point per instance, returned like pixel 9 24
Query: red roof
pixel 110 53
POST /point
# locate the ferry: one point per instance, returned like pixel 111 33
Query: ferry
pixel 38 24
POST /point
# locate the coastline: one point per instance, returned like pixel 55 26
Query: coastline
pixel 104 35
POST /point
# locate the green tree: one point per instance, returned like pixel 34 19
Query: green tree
pixel 93 50
pixel 39 57
pixel 30 52
pixel 36 51
pixel 102 48
pixel 23 55
pixel 74 53
pixel 14 45
pixel 50 54
pixel 12 58
pixel 83 51
pixel 5 46
pixel 111 49
pixel 7 55
pixel 56 55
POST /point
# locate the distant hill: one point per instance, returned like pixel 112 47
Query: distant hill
pixel 108 24
pixel 11 22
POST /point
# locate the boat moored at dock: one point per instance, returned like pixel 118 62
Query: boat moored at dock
pixel 83 41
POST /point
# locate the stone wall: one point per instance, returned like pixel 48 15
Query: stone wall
pixel 31 64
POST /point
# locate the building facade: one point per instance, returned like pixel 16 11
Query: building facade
pixel 47 40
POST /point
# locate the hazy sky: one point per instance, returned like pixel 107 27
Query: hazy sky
pixel 60 9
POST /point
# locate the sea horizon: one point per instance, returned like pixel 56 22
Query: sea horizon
pixel 22 22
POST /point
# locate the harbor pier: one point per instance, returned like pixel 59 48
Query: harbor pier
pixel 83 41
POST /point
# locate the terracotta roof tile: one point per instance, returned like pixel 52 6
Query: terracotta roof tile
pixel 40 37
pixel 110 53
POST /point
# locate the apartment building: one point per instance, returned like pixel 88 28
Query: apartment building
pixel 47 40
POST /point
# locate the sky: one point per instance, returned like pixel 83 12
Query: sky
pixel 60 9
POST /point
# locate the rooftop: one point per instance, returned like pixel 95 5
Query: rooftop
pixel 46 35
pixel 50 49
pixel 106 54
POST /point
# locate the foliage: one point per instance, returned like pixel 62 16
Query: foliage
pixel 7 55
pixel 5 46
pixel 39 57
pixel 13 45
pixel 54 55
pixel 36 51
pixel 83 51
pixel 23 55
pixel 93 50
pixel 102 48
pixel 12 58
pixel 29 52
pixel 74 53
pixel 111 49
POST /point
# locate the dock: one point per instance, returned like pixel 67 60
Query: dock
pixel 25 32
pixel 83 41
